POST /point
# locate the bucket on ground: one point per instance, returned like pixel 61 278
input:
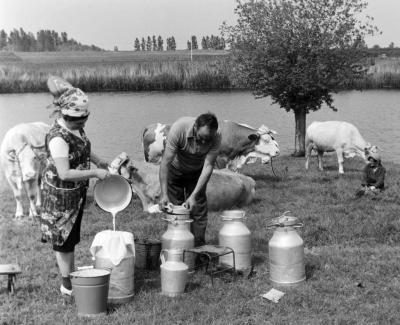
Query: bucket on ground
pixel 115 251
pixel 90 288
pixel 147 254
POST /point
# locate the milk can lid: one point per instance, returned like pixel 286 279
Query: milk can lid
pixel 177 210
pixel 285 221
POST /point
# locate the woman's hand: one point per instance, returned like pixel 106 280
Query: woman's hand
pixel 101 173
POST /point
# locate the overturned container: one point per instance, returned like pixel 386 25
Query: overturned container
pixel 286 251
pixel 115 251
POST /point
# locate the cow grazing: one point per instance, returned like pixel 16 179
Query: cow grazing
pixel 241 144
pixel 22 158
pixel 225 189
pixel 342 137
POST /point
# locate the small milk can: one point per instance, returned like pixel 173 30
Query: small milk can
pixel 234 234
pixel 178 235
pixel 174 273
pixel 286 251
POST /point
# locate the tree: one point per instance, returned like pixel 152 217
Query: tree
pixel 194 43
pixel 391 45
pixel 143 44
pixel 137 44
pixel 298 52
pixel 189 45
pixel 204 43
pixel 148 44
pixel 3 39
pixel 154 47
pixel 160 43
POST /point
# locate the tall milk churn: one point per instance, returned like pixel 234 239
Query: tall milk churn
pixel 178 235
pixel 174 273
pixel 115 251
pixel 286 251
pixel 234 234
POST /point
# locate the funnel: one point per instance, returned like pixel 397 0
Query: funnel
pixel 113 194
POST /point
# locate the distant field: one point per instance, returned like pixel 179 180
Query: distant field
pixel 116 57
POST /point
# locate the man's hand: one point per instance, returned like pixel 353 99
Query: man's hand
pixel 165 204
pixel 190 203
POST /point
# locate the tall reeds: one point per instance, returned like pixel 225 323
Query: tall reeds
pixel 162 75
pixel 212 74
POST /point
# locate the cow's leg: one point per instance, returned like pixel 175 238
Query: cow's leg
pixel 339 153
pixel 31 190
pixel 308 153
pixel 320 164
pixel 17 191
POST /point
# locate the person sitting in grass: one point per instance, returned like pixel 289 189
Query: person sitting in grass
pixel 373 175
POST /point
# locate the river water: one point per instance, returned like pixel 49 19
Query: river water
pixel 117 119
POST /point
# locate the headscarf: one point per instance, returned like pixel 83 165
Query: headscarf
pixel 375 155
pixel 73 102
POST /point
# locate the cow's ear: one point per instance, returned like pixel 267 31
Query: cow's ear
pixel 254 136
pixel 12 155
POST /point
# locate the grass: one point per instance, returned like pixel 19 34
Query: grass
pixel 351 254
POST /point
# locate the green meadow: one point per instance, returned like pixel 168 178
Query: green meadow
pixel 351 254
pixel 145 71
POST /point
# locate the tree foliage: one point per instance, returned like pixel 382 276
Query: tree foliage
pixel 298 52
pixel 45 40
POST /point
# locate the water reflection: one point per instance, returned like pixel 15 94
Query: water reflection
pixel 117 119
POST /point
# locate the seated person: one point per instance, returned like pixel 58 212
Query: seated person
pixel 373 175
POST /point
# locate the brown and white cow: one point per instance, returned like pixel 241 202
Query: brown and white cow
pixel 22 158
pixel 241 144
pixel 225 188
pixel 342 137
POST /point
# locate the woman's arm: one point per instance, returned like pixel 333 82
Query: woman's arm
pixel 98 161
pixel 67 174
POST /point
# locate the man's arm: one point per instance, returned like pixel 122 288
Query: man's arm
pixel 166 161
pixel 203 179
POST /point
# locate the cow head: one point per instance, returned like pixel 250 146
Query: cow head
pixel 28 160
pixel 369 150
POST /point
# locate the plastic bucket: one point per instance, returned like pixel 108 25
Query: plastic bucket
pixel 147 254
pixel 90 288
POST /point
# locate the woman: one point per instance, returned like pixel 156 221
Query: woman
pixel 66 179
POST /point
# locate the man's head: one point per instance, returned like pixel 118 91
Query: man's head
pixel 205 128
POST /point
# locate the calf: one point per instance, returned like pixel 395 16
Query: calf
pixel 225 188
pixel 22 157
pixel 342 137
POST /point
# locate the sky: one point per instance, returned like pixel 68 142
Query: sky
pixel 109 23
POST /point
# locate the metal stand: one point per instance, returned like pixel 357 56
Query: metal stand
pixel 212 253
pixel 11 270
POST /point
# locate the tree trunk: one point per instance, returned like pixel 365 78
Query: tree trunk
pixel 300 132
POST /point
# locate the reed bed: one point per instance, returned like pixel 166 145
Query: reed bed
pixel 133 76
pixel 109 71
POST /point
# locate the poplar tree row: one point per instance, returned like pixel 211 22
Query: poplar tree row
pixel 45 40
pixel 157 44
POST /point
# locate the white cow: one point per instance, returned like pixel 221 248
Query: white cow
pixel 22 158
pixel 342 137
pixel 226 189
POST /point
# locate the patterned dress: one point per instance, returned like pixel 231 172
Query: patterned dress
pixel 63 200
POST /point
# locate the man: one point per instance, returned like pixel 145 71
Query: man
pixel 186 166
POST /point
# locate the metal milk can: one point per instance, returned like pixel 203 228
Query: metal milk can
pixel 234 234
pixel 286 251
pixel 174 273
pixel 178 235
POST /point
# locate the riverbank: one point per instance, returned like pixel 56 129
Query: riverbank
pixel 138 71
pixel 351 257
